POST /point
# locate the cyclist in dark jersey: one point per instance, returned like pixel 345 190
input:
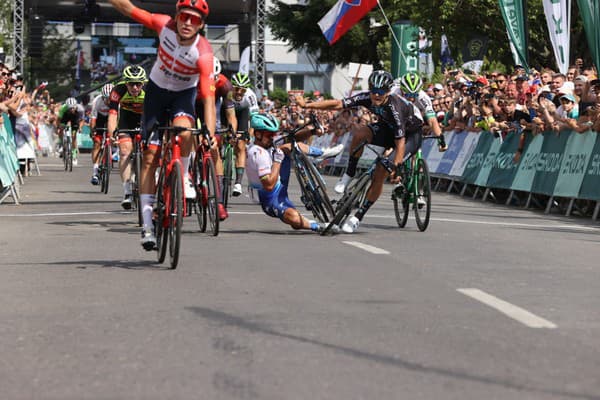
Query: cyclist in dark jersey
pixel 396 127
pixel 99 119
pixel 71 113
pixel 126 105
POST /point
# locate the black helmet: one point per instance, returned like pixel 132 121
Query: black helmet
pixel 380 80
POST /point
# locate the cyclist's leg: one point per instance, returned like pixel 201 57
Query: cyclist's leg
pixel 183 111
pixel 74 131
pixel 359 134
pixel 127 120
pixel 243 117
pixel 97 139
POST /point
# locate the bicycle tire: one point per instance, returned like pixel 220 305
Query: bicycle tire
pixel 200 203
pixel 106 167
pixel 175 213
pixel 348 202
pixel 422 189
pixel 322 208
pixel 67 155
pixel 136 182
pixel 227 174
pixel 161 231
pixel 212 198
pixel 401 208
pixel 70 155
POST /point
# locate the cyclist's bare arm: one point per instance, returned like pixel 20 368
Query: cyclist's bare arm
pixel 270 180
pixel 231 119
pixel 111 123
pixel 333 104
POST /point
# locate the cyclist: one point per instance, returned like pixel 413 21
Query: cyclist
pixel 126 105
pixel 396 127
pixel 184 58
pixel 269 173
pixel 245 103
pixel 225 108
pixel 99 117
pixel 71 113
pixel 410 86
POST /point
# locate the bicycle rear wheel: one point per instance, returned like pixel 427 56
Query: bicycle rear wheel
pixel 423 193
pixel 136 181
pixel 200 203
pixel 321 205
pixel 227 174
pixel 106 167
pixel 175 213
pixel 161 223
pixel 348 202
pixel 212 198
pixel 401 206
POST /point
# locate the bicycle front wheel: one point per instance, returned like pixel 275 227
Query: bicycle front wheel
pixel 401 206
pixel 422 203
pixel 227 174
pixel 175 213
pixel 161 223
pixel 136 182
pixel 321 205
pixel 67 155
pixel 349 201
pixel 200 203
pixel 212 198
pixel 106 167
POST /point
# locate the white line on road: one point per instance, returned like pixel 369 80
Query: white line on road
pixel 510 310
pixel 367 247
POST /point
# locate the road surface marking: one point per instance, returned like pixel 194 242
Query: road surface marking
pixel 366 247
pixel 510 310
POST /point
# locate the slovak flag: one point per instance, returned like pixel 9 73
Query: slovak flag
pixel 343 16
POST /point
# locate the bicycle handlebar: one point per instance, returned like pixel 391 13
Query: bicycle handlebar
pixel 287 135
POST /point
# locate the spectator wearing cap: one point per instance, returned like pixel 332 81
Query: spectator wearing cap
pixel 438 90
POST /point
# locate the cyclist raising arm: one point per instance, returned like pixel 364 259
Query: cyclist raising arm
pixel 397 127
pixel 184 58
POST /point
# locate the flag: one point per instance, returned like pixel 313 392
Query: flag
pixel 343 16
pixel 558 17
pixel 446 56
pixel 514 17
pixel 473 53
pixel 590 10
pixel 245 61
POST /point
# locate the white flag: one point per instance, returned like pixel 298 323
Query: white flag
pixel 558 17
pixel 245 61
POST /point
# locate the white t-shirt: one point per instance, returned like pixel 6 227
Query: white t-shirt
pixel 258 163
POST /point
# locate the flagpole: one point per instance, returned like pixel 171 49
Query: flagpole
pixel 387 21
pixel 355 80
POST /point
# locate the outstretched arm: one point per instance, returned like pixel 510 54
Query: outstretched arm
pixel 125 7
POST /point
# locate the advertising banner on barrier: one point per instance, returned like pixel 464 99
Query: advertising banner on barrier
pixel 463 156
pixel 488 161
pixel 523 180
pixel 504 168
pixel 476 161
pixel 435 157
pixel 449 156
pixel 590 186
pixel 427 148
pixel 548 162
pixel 576 156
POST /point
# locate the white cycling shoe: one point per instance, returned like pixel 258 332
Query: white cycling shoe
pixel 188 188
pixel 237 190
pixel 351 225
pixel 340 186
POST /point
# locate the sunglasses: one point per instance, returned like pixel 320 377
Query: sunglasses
pixel 379 92
pixel 411 95
pixel 500 80
pixel 193 19
pixel 135 83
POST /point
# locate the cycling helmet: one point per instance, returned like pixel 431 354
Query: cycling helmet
pixel 264 122
pixel 216 66
pixel 106 89
pixel 134 73
pixel 411 83
pixel 380 80
pixel 199 5
pixel 71 102
pixel 241 80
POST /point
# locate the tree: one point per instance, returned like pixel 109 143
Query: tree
pixel 459 20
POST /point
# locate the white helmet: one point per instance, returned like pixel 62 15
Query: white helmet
pixel 106 89
pixel 216 66
pixel 71 102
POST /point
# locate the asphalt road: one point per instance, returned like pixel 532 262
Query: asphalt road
pixel 490 302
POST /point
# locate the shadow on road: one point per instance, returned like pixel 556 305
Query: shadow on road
pixel 123 264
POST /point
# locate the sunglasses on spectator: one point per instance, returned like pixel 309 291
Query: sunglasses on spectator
pixel 379 92
pixel 448 102
pixel 193 19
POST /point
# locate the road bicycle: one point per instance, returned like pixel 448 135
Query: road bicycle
pixel 414 189
pixel 169 206
pixel 67 143
pixel 205 182
pixel 105 158
pixel 229 139
pixel 135 158
pixel 356 190
pixel 312 186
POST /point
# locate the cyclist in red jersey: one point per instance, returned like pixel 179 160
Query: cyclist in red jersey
pixel 185 59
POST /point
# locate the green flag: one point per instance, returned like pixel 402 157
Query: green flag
pixel 590 14
pixel 514 18
pixel 406 58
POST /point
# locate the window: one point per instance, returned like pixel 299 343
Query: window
pixel 297 81
pixel 279 81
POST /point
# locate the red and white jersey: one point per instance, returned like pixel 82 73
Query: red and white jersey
pixel 99 107
pixel 178 67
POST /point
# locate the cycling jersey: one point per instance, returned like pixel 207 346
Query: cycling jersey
pixel 65 115
pixel 396 115
pixel 120 97
pixel 99 108
pixel 223 99
pixel 248 102
pixel 178 67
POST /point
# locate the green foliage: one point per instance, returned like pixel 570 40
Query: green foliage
pixel 279 94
